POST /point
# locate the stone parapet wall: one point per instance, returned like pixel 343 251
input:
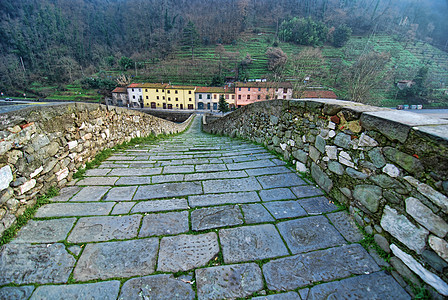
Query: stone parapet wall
pixel 44 146
pixel 390 168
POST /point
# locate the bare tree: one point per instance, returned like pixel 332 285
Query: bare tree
pixel 367 73
pixel 305 65
pixel 276 60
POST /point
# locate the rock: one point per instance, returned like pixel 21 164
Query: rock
pixel 273 119
pixel 320 144
pixel 423 215
pixel 314 154
pixel 355 174
pixel 402 229
pixel 332 152
pixel 391 170
pixel 369 196
pixel 346 226
pixel 437 198
pixel 61 174
pixel 345 159
pixel 16 292
pixel 377 157
pixel 36 172
pixel 439 246
pixel 72 144
pixel 382 242
pixel 335 167
pixel 366 141
pixel 388 183
pixel 276 140
pixel 434 261
pixel 300 155
pixel 300 167
pixel 407 162
pixel 321 178
pixel 13 156
pixel 40 141
pixel 5 177
pixel 430 278
pixel 27 186
pixel 343 140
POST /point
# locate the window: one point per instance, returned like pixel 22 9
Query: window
pixel 284 97
pixel 133 96
pixel 239 89
pixel 158 98
pixel 163 97
pixel 258 97
pixel 259 89
pixel 147 97
pixel 157 90
pixel 177 99
pixel 285 91
pixel 189 99
pixel 214 96
pixel 132 89
pixel 190 106
pixel 208 96
pixel 146 90
pixel 200 96
pixel 248 89
pixel 189 92
pixel 239 97
pixel 233 97
pixel 175 92
pixel 248 97
pixel 169 98
pixel 267 89
pixel 227 96
pixel 168 91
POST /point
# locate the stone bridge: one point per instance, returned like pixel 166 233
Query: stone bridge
pixel 209 217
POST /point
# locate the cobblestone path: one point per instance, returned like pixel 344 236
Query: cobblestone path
pixel 195 216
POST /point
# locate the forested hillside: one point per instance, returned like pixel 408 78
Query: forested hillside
pixel 58 42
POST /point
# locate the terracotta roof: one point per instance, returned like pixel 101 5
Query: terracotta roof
pixel 209 89
pixel 181 87
pixel 319 94
pixel 154 85
pixel 135 85
pixel 120 89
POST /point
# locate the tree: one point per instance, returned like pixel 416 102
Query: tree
pixel 126 63
pixel 276 60
pixel 303 31
pixel 190 37
pixel 223 106
pixel 308 63
pixel 341 35
pixel 367 73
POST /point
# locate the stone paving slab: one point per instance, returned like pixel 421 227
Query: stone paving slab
pixel 251 164
pixel 210 168
pixel 65 194
pixel 73 209
pixel 305 191
pixel 166 190
pixel 374 286
pixel 218 199
pixel 256 213
pixel 215 175
pixel 280 180
pixel 229 282
pixel 160 205
pixel 325 265
pixel 90 193
pixel 117 259
pixel 285 209
pixel 277 194
pixel 135 172
pixel 122 193
pixel 133 181
pixel 97 181
pixel 167 178
pixel 24 263
pixel 251 243
pixel 216 217
pixel 112 165
pixel 178 169
pixel 48 231
pixel 346 226
pixel 16 292
pixel 282 296
pixel 231 185
pixel 267 171
pixel 97 172
pixel 310 233
pixel 96 229
pixel 164 224
pixel 317 205
pixel 122 208
pixel 186 252
pixel 160 287
pixel 100 290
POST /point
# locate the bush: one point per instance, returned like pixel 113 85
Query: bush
pixel 303 31
pixel 341 35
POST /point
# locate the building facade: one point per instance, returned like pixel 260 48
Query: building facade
pixel 135 95
pixel 165 96
pixel 120 96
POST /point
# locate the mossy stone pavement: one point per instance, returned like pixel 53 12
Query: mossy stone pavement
pixel 193 217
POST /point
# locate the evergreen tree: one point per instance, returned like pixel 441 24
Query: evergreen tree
pixel 190 37
pixel 223 106
pixel 341 35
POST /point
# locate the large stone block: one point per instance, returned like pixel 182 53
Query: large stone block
pixel 440 246
pixel 99 290
pixel 401 228
pixel 5 177
pixel 437 198
pixel 406 161
pixel 422 214
pixel 369 196
pixel 321 178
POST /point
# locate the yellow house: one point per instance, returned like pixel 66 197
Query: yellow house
pixel 165 96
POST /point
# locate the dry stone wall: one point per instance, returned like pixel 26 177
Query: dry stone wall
pixel 44 147
pixel 389 167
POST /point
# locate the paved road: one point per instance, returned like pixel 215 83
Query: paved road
pixel 194 217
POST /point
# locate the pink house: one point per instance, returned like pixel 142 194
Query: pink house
pixel 250 92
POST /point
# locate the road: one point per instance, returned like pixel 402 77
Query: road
pixel 8 106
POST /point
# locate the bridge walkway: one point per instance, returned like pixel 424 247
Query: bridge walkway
pixel 195 216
